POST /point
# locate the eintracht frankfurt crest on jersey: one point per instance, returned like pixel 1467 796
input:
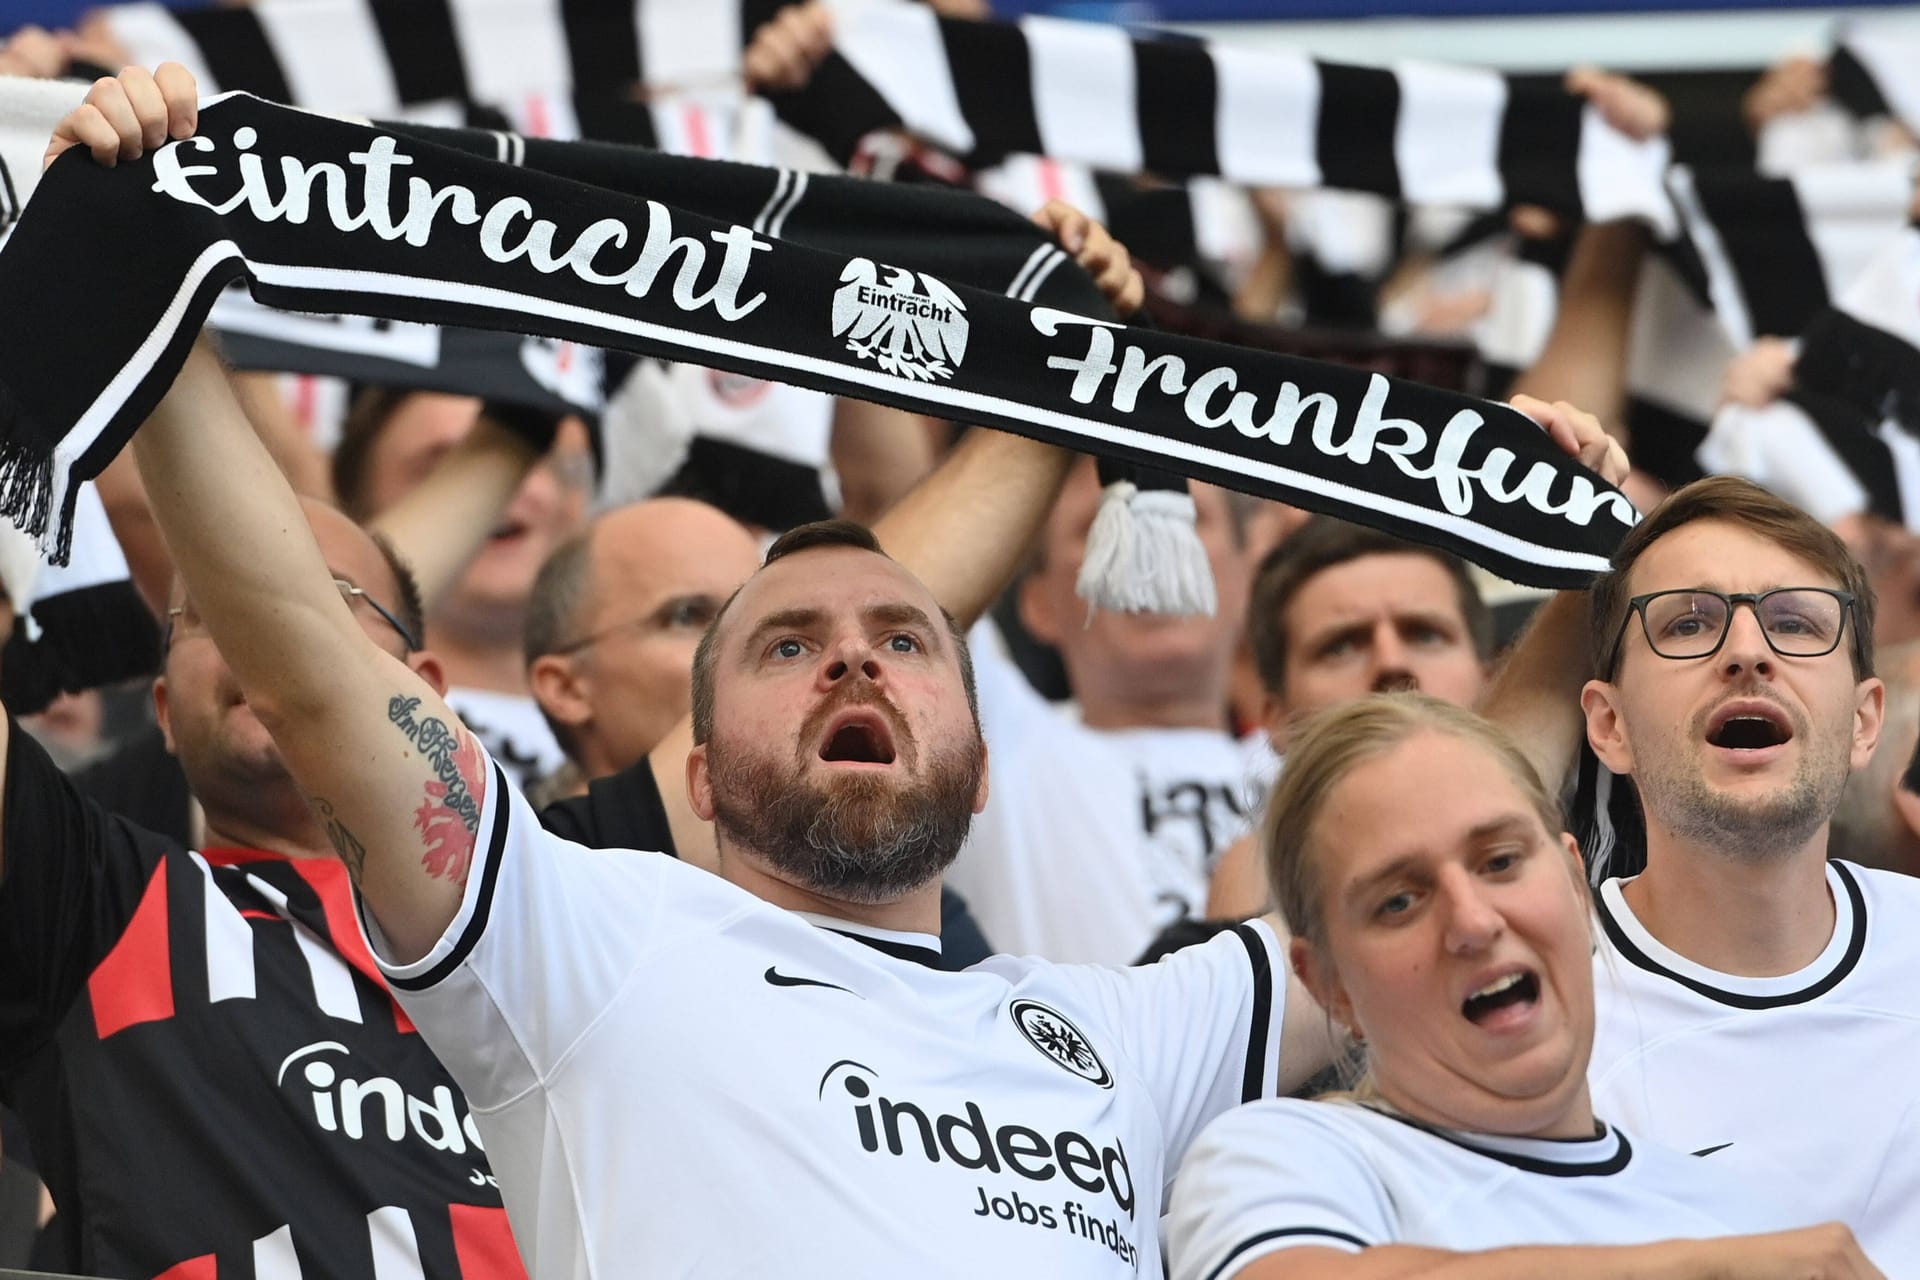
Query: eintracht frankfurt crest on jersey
pixel 914 332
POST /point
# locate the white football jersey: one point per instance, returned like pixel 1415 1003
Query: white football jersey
pixel 675 1077
pixel 1810 1081
pixel 1338 1175
pixel 1093 840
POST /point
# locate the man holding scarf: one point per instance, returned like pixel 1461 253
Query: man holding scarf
pixel 611 1016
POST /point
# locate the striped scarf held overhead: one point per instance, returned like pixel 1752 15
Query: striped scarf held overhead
pixel 312 213
pixel 1086 93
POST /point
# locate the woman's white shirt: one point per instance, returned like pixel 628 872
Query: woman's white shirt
pixel 1337 1175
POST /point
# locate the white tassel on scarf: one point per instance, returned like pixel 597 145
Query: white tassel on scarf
pixel 1144 554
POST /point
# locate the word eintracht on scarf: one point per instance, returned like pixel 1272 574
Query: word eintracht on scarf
pixel 321 215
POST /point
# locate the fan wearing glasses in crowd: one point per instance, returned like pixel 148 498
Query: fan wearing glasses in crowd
pixel 1756 1001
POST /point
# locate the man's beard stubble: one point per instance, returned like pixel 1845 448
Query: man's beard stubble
pixel 858 838
pixel 1748 830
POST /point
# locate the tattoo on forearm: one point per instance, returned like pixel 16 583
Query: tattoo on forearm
pixel 449 817
pixel 352 853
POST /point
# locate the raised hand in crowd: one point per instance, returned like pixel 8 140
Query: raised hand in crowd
pixel 127 115
pixel 1097 252
pixel 1759 375
pixel 1580 434
pixel 1789 87
pixel 34 52
pixel 1635 109
pixel 789 47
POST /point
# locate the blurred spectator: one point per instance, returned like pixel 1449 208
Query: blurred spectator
pixel 1107 817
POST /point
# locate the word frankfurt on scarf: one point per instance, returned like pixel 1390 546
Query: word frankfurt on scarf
pixel 322 215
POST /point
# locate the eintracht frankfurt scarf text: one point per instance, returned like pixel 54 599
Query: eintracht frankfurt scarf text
pixel 322 215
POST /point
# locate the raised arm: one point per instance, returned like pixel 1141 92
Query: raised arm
pixel 1535 696
pixel 442 522
pixel 394 777
pixel 965 529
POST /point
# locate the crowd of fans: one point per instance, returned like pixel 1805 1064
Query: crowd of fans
pixel 951 926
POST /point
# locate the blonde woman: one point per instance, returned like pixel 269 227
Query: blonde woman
pixel 1440 917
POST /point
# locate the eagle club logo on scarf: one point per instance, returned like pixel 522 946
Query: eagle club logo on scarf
pixel 911 333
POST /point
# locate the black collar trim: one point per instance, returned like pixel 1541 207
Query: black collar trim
pixel 1612 1162
pixel 920 948
pixel 898 950
pixel 1856 944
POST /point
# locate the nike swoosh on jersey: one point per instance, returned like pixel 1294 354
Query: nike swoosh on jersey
pixel 1707 1151
pixel 779 979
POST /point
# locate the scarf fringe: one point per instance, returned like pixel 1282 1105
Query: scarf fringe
pixel 1144 554
pixel 26 496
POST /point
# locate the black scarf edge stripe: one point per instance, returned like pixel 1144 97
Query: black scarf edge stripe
pixel 992 72
pixel 603 45
pixel 1851 84
pixel 1354 132
pixel 236 50
pixel 837 108
pixel 422 49
pixel 1763 231
pixel 1176 88
pixel 1849 432
pixel 1540 138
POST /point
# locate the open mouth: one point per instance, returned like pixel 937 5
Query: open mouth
pixel 1518 990
pixel 1749 728
pixel 507 529
pixel 858 737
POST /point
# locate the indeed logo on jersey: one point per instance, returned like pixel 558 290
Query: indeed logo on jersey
pixel 376 1107
pixel 971 1141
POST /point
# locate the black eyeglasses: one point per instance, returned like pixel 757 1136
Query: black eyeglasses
pixel 1692 622
pixel 348 592
pixel 689 613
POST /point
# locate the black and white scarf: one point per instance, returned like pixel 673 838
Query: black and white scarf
pixel 83 624
pixel 1082 92
pixel 386 225
pixel 1845 438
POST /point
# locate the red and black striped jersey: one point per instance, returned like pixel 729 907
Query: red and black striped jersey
pixel 216 1081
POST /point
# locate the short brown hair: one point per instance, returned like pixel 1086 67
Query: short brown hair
pixel 1324 543
pixel 1331 746
pixel 1747 506
pixel 807 537
pixel 554 606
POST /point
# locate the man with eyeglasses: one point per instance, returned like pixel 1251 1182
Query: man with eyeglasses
pixel 1758 1004
pixel 214 1076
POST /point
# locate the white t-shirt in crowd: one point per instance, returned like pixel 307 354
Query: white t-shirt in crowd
pixel 1093 840
pixel 675 1076
pixel 511 728
pixel 1810 1080
pixel 1337 1175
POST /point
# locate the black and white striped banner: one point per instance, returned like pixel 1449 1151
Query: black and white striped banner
pixel 382 57
pixel 1770 253
pixel 1087 93
pixel 1872 71
pixel 478 242
pixel 1846 438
